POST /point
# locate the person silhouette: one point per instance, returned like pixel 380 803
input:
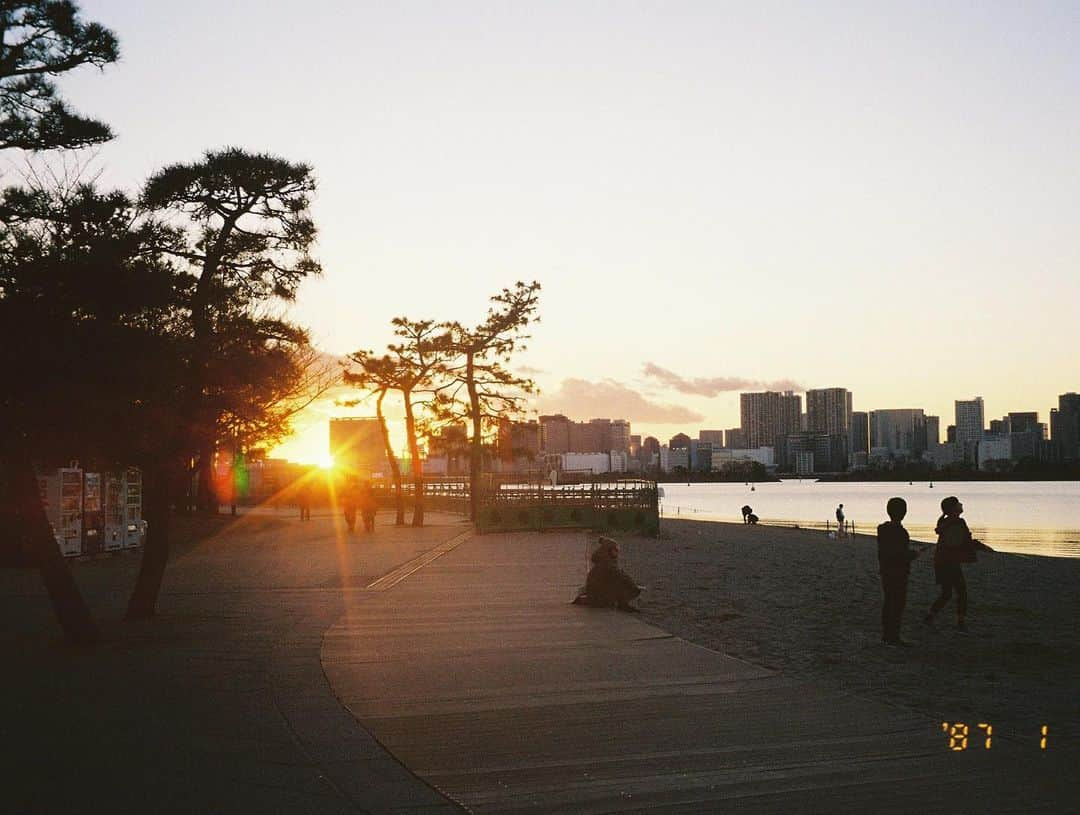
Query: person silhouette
pixel 747 511
pixel 840 521
pixel 607 585
pixel 955 546
pixel 894 564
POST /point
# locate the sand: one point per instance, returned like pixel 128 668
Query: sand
pixel 797 601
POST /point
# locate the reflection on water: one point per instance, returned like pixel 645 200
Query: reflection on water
pixel 1029 517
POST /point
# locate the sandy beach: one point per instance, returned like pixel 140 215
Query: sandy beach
pixel 797 601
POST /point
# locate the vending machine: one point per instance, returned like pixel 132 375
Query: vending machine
pixel 62 499
pixel 134 525
pixel 93 523
pixel 114 531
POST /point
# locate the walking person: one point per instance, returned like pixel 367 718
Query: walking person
pixel 955 546
pixel 368 504
pixel 349 504
pixel 840 521
pixel 894 563
pixel 303 500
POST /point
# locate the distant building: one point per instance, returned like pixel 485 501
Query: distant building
pixel 829 451
pixel 933 431
pixel 1026 422
pixel 735 438
pixel 1000 427
pixel 650 447
pixel 970 425
pixel 677 457
pixel 714 437
pixel 555 433
pixel 946 455
pixel 897 433
pixel 679 440
pixel 558 434
pixel 769 417
pixel 1065 426
pixel 860 436
pixel 448 451
pixel 828 410
pixel 357 446
pixel 518 441
pixel 726 458
pixel 993 451
pixel 950 434
pixel 701 455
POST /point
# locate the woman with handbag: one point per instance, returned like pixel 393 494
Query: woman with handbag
pixel 955 546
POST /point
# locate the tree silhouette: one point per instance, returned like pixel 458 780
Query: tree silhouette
pixel 409 368
pixel 380 376
pixel 83 284
pixel 41 39
pixel 249 241
pixel 477 359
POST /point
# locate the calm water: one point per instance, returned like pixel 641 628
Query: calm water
pixel 1031 517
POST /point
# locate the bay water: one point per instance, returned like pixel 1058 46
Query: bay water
pixel 1027 517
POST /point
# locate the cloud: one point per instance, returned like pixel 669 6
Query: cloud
pixel 715 385
pixel 581 399
pixel 529 370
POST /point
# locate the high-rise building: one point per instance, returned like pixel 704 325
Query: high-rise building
pixel 679 441
pixel 560 435
pixel 897 433
pixel 950 434
pixel 1065 426
pixel 970 426
pixel 555 434
pixel 650 451
pixel 860 436
pixel 770 417
pixel 1027 422
pixel 828 410
pixel 933 432
pixel 357 446
pixel 619 435
pixel 1000 427
pixel 714 437
pixel 518 440
pixel 735 438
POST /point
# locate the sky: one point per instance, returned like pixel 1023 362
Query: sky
pixel 715 196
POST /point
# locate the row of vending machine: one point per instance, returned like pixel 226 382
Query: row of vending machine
pixel 93 512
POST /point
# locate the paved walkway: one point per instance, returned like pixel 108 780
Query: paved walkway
pixel 478 675
pixel 220 704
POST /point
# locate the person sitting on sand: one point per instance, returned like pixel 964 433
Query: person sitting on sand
pixel 894 563
pixel 955 545
pixel 747 511
pixel 606 585
pixel 752 518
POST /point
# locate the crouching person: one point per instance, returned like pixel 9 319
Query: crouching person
pixel 608 586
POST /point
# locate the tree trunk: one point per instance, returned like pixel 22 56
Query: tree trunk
pixel 476 444
pixel 40 547
pixel 207 494
pixel 395 470
pixel 414 461
pixel 143 601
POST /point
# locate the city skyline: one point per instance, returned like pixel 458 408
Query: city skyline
pixel 768 193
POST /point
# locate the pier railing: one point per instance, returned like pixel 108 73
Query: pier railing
pixel 615 506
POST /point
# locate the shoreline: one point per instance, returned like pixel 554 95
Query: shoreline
pixel 796 601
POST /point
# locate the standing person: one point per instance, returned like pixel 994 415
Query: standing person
pixel 349 504
pixel 747 511
pixel 840 521
pixel 303 500
pixel 368 505
pixel 894 562
pixel 955 545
